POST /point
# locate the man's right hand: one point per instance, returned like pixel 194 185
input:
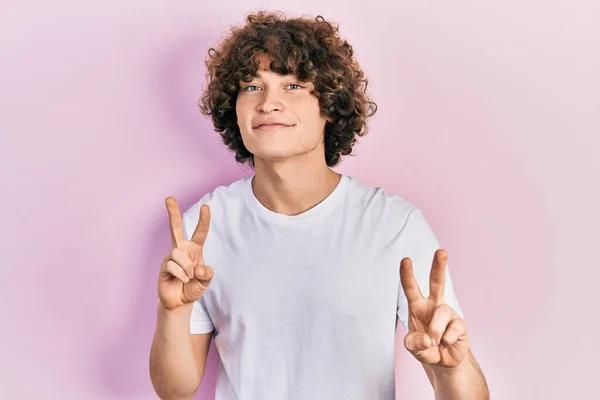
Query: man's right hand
pixel 183 276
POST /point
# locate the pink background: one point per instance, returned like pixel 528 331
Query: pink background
pixel 488 120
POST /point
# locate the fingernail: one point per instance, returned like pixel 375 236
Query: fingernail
pixel 201 272
pixel 433 342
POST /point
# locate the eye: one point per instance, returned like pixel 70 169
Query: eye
pixel 251 88
pixel 294 86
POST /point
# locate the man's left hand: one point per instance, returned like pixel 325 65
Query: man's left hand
pixel 437 334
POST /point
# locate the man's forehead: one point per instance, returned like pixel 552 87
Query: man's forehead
pixel 264 69
pixel 268 73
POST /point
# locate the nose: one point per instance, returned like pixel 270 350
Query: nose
pixel 270 102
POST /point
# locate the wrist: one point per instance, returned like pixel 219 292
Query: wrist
pixel 181 312
pixel 449 371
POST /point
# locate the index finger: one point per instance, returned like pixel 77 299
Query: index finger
pixel 175 222
pixel 199 236
pixel 409 282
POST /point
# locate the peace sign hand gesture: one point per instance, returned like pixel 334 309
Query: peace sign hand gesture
pixel 183 276
pixel 437 334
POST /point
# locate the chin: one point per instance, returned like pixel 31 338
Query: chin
pixel 277 150
pixel 274 155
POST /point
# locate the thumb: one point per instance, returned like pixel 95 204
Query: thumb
pixel 415 342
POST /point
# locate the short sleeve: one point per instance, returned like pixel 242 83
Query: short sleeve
pixel 200 321
pixel 420 244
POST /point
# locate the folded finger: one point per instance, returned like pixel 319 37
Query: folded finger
pixel 181 258
pixel 457 328
pixel 442 316
pixel 203 273
pixel 175 270
pixel 416 342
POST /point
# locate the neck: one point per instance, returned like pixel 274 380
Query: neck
pixel 293 186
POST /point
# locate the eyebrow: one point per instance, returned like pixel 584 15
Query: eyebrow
pixel 258 75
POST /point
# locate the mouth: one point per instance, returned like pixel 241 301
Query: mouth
pixel 270 127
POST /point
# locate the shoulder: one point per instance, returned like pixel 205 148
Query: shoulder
pixel 380 203
pixel 398 218
pixel 222 200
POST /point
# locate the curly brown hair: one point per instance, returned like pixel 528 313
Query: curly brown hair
pixel 312 50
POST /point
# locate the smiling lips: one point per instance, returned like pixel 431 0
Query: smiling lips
pixel 269 126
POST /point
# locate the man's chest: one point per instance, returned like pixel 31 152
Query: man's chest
pixel 287 281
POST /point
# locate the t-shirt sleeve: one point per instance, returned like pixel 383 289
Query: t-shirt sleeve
pixel 420 244
pixel 200 321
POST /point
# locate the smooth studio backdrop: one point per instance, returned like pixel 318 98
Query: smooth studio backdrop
pixel 488 121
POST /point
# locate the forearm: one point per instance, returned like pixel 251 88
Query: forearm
pixel 173 368
pixel 465 382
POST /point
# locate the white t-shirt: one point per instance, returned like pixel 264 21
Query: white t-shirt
pixel 306 306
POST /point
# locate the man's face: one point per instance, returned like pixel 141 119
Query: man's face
pixel 278 116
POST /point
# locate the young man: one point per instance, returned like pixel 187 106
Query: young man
pixel 298 273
